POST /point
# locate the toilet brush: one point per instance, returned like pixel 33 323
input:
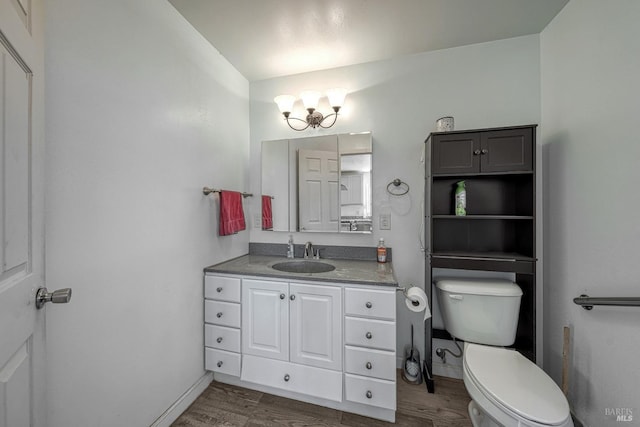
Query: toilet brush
pixel 411 372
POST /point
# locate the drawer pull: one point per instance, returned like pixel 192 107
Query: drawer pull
pixel 219 289
pixel 369 365
pixel 219 315
pixel 368 335
pixel 219 340
pixel 292 297
pixel 219 364
pixel 369 305
pixel 286 377
pixel 282 296
pixel 369 394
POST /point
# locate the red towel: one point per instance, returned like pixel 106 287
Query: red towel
pixel 231 213
pixel 267 213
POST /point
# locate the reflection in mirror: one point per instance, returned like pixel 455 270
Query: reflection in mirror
pixel 316 179
pixel 275 185
pixel 355 182
pixel 318 184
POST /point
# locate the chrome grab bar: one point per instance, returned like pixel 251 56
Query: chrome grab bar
pixel 588 302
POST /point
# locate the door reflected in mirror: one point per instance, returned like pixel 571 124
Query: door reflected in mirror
pixel 318 184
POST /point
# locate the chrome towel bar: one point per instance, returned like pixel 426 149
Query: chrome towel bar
pixel 206 191
pixel 588 302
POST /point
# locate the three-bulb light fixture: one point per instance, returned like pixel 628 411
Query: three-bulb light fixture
pixel 310 101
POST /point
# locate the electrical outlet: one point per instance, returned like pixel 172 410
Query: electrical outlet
pixel 385 221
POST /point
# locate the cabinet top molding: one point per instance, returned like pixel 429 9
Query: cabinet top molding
pixel 481 130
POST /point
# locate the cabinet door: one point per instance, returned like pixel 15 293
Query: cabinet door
pixel 265 318
pixel 455 153
pixel 507 150
pixel 316 325
pixel 351 193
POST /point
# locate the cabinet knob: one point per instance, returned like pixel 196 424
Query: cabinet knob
pixel 369 365
pixel 219 315
pixel 219 364
pixel 219 340
pixel 476 152
pixel 484 151
pixel 292 297
pixel 369 305
pixel 286 377
pixel 219 289
pixel 368 335
pixel 369 394
pixel 282 296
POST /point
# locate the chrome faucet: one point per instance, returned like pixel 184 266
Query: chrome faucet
pixel 308 250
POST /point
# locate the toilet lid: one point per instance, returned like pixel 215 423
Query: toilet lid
pixel 516 383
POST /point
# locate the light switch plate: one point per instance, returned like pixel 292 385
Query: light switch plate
pixel 257 221
pixel 385 221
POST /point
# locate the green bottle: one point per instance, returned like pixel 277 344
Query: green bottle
pixel 461 199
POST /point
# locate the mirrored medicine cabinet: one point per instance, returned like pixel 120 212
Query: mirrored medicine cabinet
pixel 318 184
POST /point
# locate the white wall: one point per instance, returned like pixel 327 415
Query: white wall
pixel 483 85
pixel 590 108
pixel 141 114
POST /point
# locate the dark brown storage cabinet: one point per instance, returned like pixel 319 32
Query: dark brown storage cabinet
pixel 498 233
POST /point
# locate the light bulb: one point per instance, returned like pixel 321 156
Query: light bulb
pixel 285 103
pixel 336 97
pixel 310 99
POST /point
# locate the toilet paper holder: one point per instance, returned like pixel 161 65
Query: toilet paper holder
pixel 404 290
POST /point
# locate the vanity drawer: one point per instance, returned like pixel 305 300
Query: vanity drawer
pixel 222 313
pixel 370 391
pixel 292 377
pixel 370 363
pixel 222 288
pixel 222 361
pixel 370 333
pixel 222 338
pixel 370 303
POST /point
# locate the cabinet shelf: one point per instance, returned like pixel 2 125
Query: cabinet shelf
pixel 437 176
pixel 495 261
pixel 481 217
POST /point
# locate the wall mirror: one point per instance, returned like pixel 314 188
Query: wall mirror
pixel 318 184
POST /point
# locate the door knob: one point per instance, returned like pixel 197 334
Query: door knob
pixel 61 296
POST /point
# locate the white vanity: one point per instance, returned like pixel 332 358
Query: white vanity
pixel 305 336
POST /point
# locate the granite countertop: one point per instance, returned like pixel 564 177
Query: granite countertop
pixel 347 271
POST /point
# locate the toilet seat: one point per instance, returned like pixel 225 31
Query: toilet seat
pixel 516 385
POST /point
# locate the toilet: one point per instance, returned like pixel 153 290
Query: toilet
pixel 506 388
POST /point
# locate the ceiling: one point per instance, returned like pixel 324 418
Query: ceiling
pixel 272 38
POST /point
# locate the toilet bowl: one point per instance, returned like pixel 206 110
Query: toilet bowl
pixel 509 390
pixel 506 388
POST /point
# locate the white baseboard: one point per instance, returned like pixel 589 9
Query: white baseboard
pixel 184 401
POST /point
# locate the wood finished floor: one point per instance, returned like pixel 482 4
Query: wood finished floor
pixel 226 405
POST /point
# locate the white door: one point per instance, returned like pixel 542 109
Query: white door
pixel 21 214
pixel 265 318
pixel 316 325
pixel 318 190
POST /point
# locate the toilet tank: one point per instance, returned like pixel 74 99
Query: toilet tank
pixel 479 310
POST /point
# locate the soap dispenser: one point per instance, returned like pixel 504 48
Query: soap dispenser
pixel 290 247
